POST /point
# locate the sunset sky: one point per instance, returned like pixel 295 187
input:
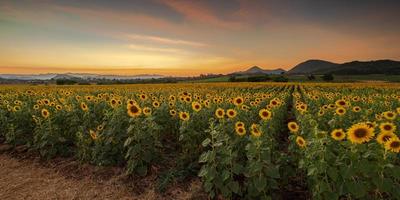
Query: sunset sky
pixel 187 37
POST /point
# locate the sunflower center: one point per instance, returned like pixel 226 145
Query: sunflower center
pixel 265 114
pixel 387 127
pixel 386 138
pixel 360 133
pixel 293 126
pixel 395 144
pixel 134 109
pixel 338 134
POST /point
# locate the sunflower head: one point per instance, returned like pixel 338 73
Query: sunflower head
pixel 133 110
pixel 383 137
pixel 45 113
pixel 356 109
pixel 387 127
pixel 265 114
pixel 389 115
pixel 255 130
pixel 231 113
pixel 338 134
pixel 172 113
pixel 196 106
pixel 301 142
pixel 393 145
pixel 238 101
pixel 147 111
pixel 239 124
pixel 360 133
pixel 240 130
pixel 84 107
pixel 219 113
pixel 93 134
pixel 293 127
pixel 184 116
pixel 340 111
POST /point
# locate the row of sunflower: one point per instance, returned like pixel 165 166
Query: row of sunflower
pixel 348 139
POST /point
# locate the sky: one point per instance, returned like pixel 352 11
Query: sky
pixel 191 37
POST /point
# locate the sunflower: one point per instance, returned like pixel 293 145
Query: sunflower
pixel 156 104
pixel 338 134
pixel 360 133
pixel 340 111
pixel 255 131
pixel 238 101
pixel 45 113
pixel 383 137
pixel 231 113
pixel 239 124
pixel 130 101
pixel 393 145
pixel 58 107
pixel 389 115
pixel 16 108
pixel 240 130
pixel 219 113
pixel 301 142
pixel 356 109
pixel 172 112
pixel 293 127
pixel 100 127
pixel 143 97
pixel 114 102
pixel 265 114
pixel 133 110
pixel 93 134
pixel 196 106
pixel 84 107
pixel 387 127
pixel 341 103
pixel 184 116
pixel 36 107
pixel 147 111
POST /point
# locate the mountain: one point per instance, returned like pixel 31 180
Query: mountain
pixel 257 70
pixel 311 66
pixel 84 76
pixel 348 68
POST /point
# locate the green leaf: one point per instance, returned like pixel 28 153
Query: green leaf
pixel 332 173
pixel 273 172
pixel 206 142
pixel 204 157
pixel 234 186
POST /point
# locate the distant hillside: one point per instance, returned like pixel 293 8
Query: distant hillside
pixel 83 76
pixel 311 66
pixel 349 68
pixel 257 70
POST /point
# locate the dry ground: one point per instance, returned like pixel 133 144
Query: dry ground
pixel 30 178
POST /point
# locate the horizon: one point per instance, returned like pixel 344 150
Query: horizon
pixel 189 38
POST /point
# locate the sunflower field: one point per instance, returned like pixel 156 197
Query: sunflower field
pixel 242 140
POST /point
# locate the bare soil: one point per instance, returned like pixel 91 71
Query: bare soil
pixel 25 176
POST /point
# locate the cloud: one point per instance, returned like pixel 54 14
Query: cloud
pixel 164 40
pixel 155 49
pixel 201 12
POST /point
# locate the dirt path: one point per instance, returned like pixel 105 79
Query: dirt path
pixel 22 178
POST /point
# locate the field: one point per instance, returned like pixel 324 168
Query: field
pixel 241 140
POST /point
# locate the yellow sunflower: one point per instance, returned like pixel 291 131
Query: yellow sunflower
pixel 84 107
pixel 93 134
pixel 156 104
pixel 172 112
pixel 293 127
pixel 340 111
pixel 255 130
pixel 393 145
pixel 239 124
pixel 147 111
pixel 301 142
pixel 338 134
pixel 341 103
pixel 133 110
pixel 356 109
pixel 389 115
pixel 387 127
pixel 383 137
pixel 100 127
pixel 231 113
pixel 184 116
pixel 265 114
pixel 238 101
pixel 360 133
pixel 219 113
pixel 240 131
pixel 45 113
pixel 196 106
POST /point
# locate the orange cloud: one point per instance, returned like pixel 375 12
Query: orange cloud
pixel 165 40
pixel 200 12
